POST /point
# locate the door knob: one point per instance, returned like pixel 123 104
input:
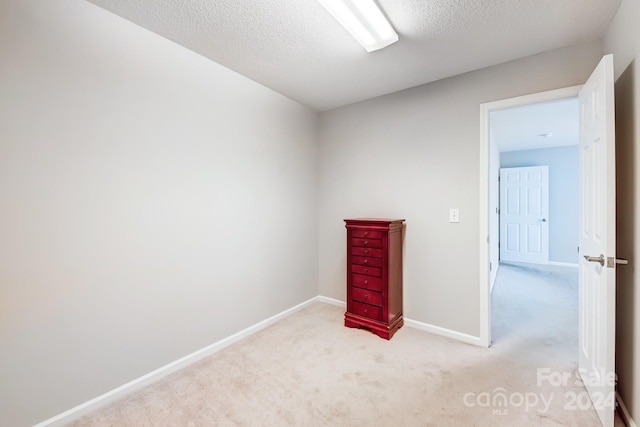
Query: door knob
pixel 611 261
pixel 599 259
pixel 544 220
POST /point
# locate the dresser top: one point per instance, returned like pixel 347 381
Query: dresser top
pixel 372 220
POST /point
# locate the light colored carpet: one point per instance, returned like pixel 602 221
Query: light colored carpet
pixel 309 370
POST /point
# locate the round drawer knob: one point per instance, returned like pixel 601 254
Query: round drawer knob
pixel 366 282
pixel 366 233
pixel 366 270
pixel 366 310
pixel 366 251
pixel 366 296
pixel 366 242
pixel 366 261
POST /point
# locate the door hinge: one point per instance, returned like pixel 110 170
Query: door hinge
pixel 490 267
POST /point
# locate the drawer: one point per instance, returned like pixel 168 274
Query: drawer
pixel 366 243
pixel 365 269
pixel 367 252
pixel 370 234
pixel 365 295
pixel 373 262
pixel 373 283
pixel 366 310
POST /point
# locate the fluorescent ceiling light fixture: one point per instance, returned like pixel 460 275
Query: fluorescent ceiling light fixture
pixel 364 21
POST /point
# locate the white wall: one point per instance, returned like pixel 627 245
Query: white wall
pixel 413 155
pixel 623 40
pixel 564 176
pixel 151 203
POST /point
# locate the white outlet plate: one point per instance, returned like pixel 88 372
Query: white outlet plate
pixel 454 215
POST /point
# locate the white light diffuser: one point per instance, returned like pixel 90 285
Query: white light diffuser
pixel 364 21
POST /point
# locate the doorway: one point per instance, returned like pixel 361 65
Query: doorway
pixel 538 180
pixel 596 218
pixel 489 192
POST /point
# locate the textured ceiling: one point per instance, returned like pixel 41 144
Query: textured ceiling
pixel 296 48
pixel 527 127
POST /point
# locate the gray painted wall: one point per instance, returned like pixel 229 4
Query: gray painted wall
pixel 623 40
pixel 563 195
pixel 152 203
pixel 414 154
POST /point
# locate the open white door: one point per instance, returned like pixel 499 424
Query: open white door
pixel 524 209
pixel 598 240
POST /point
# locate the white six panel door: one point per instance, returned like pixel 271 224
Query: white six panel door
pixel 524 214
pixel 597 291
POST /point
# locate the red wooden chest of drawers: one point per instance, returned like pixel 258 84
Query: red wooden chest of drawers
pixel 374 275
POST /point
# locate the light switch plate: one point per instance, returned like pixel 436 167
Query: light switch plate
pixel 454 215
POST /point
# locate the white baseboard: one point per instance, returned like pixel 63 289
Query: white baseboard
pixel 419 325
pixel 332 301
pixel 512 261
pixel 459 336
pixel 624 412
pixel 143 381
pixel 563 264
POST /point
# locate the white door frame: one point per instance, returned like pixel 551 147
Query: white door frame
pixel 483 214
